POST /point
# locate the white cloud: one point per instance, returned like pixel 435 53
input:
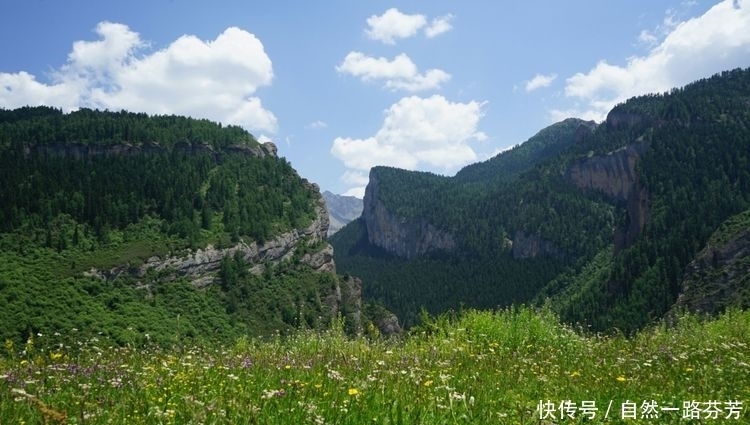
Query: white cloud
pixel 439 26
pixel 431 134
pixel 355 177
pixel 315 125
pixel 357 192
pixel 540 81
pixel 21 89
pixel 398 74
pixel 648 37
pixel 205 79
pixel 693 49
pixel 265 139
pixel 393 24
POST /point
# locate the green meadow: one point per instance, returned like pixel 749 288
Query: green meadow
pixel 516 366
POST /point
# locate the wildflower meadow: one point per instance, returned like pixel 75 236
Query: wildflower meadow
pixel 516 366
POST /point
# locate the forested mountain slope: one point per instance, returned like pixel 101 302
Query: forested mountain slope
pixel 164 228
pixel 601 220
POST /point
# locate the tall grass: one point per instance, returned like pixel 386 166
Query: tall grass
pixel 479 367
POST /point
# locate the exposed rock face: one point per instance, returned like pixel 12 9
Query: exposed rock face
pixel 530 246
pixel 341 210
pixel 201 266
pixel 618 119
pixel 388 325
pixel 82 151
pixel 718 277
pixel 406 238
pixel 614 174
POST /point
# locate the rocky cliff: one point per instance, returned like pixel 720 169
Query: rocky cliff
pixel 405 238
pixel 614 174
pixel 82 151
pixel 201 266
pixel 719 276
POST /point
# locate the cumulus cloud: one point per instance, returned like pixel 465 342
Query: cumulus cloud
pixel 439 26
pixel 431 134
pixel 355 177
pixel 393 25
pixel 692 49
pixel 214 79
pixel 357 192
pixel 21 89
pixel 398 74
pixel 540 81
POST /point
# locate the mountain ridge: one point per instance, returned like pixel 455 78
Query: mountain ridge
pixel 341 210
pixel 161 230
pixel 618 210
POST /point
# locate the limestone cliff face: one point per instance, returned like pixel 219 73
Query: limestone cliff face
pixel 201 266
pixel 83 151
pixel 718 277
pixel 406 238
pixel 614 174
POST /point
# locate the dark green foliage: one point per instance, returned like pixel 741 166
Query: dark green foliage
pixel 181 183
pixel 107 191
pixel 484 207
pixel 281 299
pixel 695 171
pixel 43 125
pixel 521 158
pixel 697 175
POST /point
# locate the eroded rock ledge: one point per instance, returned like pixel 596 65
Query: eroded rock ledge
pixel 201 267
pixel 614 174
pixel 405 238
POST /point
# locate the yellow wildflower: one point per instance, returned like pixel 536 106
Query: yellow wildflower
pixel 621 378
pixel 353 391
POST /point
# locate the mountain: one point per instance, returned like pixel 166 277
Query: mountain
pixel 719 275
pixel 159 229
pixel 341 210
pixel 601 221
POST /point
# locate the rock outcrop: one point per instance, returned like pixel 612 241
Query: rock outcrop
pixel 618 118
pixel 83 151
pixel 614 174
pixel 201 266
pixel 404 237
pixel 718 277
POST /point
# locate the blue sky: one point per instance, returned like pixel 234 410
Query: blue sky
pixel 341 86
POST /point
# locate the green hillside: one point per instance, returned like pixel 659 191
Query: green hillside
pixel 579 211
pixel 96 204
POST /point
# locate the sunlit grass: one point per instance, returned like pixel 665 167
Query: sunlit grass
pixel 478 368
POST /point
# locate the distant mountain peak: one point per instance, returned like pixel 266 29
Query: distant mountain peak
pixel 341 210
